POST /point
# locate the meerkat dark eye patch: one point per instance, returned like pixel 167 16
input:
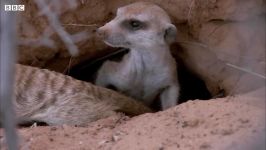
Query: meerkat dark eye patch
pixel 134 24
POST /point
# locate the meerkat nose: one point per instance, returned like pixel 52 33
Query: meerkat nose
pixel 101 33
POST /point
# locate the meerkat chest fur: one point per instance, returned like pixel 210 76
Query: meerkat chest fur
pixel 149 69
pixel 147 72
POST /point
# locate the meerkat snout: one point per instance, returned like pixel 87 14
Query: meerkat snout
pixel 101 33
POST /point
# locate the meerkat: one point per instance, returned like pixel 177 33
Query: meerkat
pixel 53 98
pixel 148 70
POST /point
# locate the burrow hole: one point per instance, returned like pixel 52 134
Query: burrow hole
pixel 191 86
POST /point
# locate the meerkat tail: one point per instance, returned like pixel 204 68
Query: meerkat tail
pixel 124 104
pixel 120 102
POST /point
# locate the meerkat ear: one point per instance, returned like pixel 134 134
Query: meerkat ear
pixel 170 33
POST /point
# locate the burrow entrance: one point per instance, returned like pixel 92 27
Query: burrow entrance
pixel 191 86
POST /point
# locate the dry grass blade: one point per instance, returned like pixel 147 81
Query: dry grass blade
pixel 246 70
pixel 81 25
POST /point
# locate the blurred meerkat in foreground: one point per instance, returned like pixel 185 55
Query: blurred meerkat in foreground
pixel 149 69
pixel 50 97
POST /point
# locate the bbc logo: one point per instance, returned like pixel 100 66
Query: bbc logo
pixel 14 7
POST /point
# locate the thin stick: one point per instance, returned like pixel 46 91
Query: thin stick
pixel 67 69
pixel 54 22
pixel 194 43
pixel 220 51
pixel 190 9
pixel 105 57
pixel 246 70
pixel 81 25
pixel 7 69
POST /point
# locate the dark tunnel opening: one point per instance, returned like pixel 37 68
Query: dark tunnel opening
pixel 191 86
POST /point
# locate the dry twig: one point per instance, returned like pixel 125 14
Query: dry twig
pixel 54 22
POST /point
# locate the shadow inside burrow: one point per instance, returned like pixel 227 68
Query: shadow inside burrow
pixel 191 86
pixel 32 124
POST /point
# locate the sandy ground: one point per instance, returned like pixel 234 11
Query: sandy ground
pixel 229 123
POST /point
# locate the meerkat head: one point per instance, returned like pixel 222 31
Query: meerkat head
pixel 139 25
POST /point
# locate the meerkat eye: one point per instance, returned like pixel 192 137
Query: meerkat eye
pixel 135 24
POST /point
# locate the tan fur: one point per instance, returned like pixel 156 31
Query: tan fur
pixel 149 69
pixel 47 96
